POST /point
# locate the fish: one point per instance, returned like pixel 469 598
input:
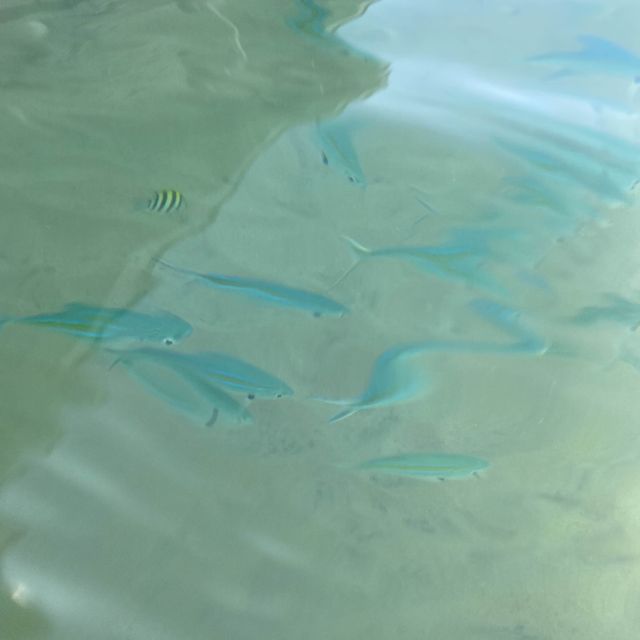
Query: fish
pixel 587 147
pixel 394 379
pixel 236 374
pixel 184 390
pixel 451 262
pixel 165 201
pixel 269 292
pixel 509 321
pixel 588 175
pixel 426 466
pixel 596 56
pixel 338 152
pixel 557 198
pixel 218 369
pixel 618 310
pixel 109 323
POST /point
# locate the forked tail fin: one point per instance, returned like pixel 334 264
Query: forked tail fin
pixel 349 411
pixel 359 252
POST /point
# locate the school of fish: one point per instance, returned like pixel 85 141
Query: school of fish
pixel 556 164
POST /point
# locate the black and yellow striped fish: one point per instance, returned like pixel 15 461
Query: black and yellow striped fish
pixel 165 201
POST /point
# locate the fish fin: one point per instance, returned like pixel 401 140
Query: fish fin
pixel 164 263
pixel 343 414
pixel 418 221
pixel 359 251
pixel 114 363
pixel 213 418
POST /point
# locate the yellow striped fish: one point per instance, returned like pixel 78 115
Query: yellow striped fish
pixel 165 201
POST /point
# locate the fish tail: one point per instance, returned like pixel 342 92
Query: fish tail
pixel 164 263
pixel 359 252
pixel 213 418
pixel 343 414
pixel 119 354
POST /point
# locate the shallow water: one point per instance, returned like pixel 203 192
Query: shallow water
pixel 287 125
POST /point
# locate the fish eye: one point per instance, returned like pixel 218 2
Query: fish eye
pixel 251 396
pixel 316 314
pixel 278 395
pixel 168 341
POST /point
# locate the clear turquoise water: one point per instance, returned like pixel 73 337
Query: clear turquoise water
pixel 413 124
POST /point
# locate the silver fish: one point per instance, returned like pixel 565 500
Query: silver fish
pixel 397 378
pixel 183 390
pixel 338 152
pixel 108 323
pixel 219 369
pixel 439 466
pixel 461 262
pixel 270 292
pixel 394 378
pixel 618 310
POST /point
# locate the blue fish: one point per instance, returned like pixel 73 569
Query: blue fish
pixel 107 323
pixel 219 369
pixel 509 321
pixel 236 374
pixel 460 262
pixel 618 310
pixel 395 378
pixel 590 176
pixel 557 198
pixel 587 147
pixel 183 390
pixel 338 152
pixel 439 466
pixel 270 292
pixel 596 56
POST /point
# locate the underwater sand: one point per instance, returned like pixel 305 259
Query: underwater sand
pixel 122 519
